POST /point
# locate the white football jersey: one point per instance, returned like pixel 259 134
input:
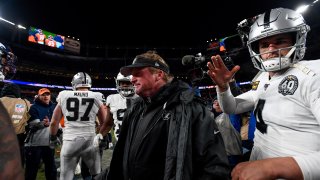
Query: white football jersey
pixel 118 106
pixel 287 109
pixel 80 109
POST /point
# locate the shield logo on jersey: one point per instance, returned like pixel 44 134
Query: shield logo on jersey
pixel 288 85
pixel 19 108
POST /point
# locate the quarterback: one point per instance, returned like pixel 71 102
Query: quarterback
pixel 285 98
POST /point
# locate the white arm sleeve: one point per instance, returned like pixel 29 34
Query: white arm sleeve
pixel 235 105
pixel 309 165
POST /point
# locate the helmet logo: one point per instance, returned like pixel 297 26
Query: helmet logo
pixel 166 116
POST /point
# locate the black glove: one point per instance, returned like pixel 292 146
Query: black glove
pixel 59 132
pixel 104 143
pixel 54 141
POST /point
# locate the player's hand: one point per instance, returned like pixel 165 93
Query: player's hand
pixel 97 139
pixel 54 141
pixel 104 144
pixel 219 73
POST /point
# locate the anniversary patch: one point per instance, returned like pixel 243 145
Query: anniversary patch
pixel 288 85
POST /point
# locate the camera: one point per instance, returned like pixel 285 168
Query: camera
pixel 197 67
pixel 243 29
pixel 192 60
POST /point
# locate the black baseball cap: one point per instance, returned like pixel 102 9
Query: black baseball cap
pixel 140 62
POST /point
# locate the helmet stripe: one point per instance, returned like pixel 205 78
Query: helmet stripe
pixel 266 19
pixel 85 78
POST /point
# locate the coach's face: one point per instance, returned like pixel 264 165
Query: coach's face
pixel 144 81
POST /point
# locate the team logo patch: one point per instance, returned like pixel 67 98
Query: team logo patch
pixel 166 116
pixel 255 85
pixel 19 108
pixel 288 85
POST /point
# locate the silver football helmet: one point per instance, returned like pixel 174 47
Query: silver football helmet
pixel 81 79
pixel 126 90
pixel 8 63
pixel 278 21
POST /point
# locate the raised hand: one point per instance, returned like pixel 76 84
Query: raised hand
pixel 219 73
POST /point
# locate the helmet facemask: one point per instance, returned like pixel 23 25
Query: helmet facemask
pixel 276 63
pixel 124 86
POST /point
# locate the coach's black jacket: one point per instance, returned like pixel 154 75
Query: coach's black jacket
pixel 170 136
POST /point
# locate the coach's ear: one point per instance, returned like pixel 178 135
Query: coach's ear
pixel 159 75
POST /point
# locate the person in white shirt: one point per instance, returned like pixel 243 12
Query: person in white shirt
pixel 79 108
pixel 285 98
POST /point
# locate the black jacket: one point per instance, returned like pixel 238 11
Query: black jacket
pixel 170 136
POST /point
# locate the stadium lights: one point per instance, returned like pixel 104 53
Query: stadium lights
pixel 7 21
pixel 303 8
pixel 21 27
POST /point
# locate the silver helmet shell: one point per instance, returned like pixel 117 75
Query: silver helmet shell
pixel 124 91
pixel 274 22
pixel 81 79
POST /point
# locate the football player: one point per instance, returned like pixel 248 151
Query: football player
pixel 118 103
pixel 285 99
pixel 40 36
pixel 8 63
pixel 80 108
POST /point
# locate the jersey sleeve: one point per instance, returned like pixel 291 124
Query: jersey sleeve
pixel 100 98
pixel 313 96
pixel 59 97
pixel 108 102
pixel 310 163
